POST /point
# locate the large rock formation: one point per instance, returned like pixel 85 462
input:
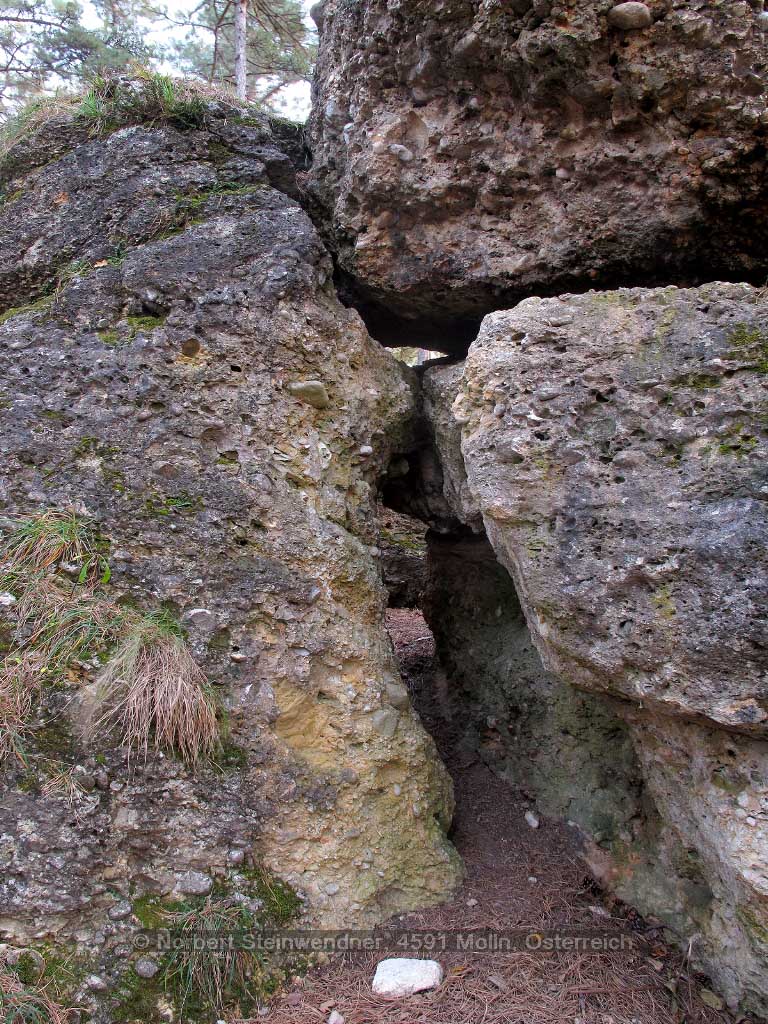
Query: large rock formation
pixel 615 446
pixel 468 155
pixel 176 367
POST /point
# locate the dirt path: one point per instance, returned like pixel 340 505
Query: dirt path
pixel 517 876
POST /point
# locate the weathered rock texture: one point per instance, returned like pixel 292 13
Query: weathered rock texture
pixel 468 155
pixel 570 750
pixel 153 392
pixel 614 444
pixel 403 558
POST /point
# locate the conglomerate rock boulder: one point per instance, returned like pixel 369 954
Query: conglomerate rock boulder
pixel 192 386
pixel 468 155
pixel 615 446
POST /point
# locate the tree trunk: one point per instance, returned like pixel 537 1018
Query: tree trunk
pixel 241 43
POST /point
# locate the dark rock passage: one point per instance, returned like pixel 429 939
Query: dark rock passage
pixel 536 464
pixel 517 877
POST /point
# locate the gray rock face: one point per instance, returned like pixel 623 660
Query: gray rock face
pixel 627 474
pixel 152 393
pixel 403 558
pixel 568 749
pixel 614 444
pixel 469 155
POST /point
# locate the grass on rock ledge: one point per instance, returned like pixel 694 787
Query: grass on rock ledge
pixel 114 101
pixel 151 691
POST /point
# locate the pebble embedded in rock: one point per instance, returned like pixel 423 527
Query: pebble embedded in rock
pixel 120 911
pixel 311 392
pixel 397 695
pixel 630 16
pixel 401 976
pixel 84 779
pixel 194 883
pixel 385 722
pixel 146 967
pixel 202 618
pixel 401 152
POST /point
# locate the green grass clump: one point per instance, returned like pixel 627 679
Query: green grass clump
pixel 22 1003
pixel 281 904
pixel 110 103
pixel 36 985
pixel 200 979
pixel 113 101
pixel 200 982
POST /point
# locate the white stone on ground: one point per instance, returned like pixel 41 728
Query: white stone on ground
pixel 400 976
pixel 531 818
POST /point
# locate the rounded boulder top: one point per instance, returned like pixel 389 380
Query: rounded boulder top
pixel 630 16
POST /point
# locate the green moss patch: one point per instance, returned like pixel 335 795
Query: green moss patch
pixel 40 305
pixel 749 343
pixel 172 504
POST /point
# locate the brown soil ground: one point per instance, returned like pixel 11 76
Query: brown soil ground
pixel 517 876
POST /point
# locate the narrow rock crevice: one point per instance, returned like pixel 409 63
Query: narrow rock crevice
pixel 645 782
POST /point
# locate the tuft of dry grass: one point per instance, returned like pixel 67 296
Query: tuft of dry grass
pixel 154 692
pixel 22 1004
pixel 52 629
pixel 152 689
pixel 62 782
pixel 15 709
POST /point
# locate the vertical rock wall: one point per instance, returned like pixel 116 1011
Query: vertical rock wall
pixel 175 366
pixel 614 444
